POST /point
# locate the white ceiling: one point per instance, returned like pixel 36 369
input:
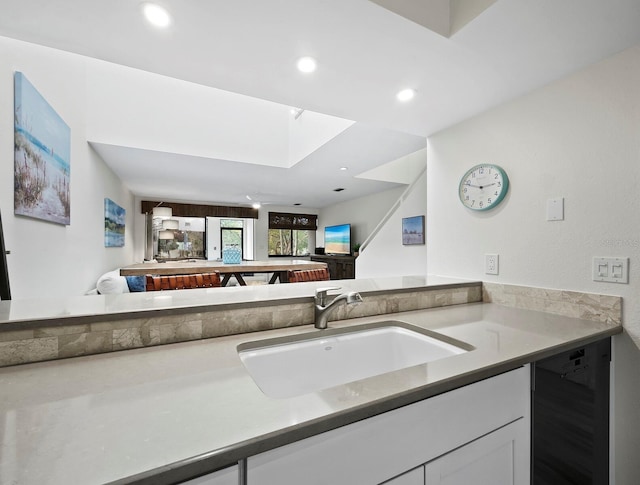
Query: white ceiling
pixel 309 182
pixel 365 54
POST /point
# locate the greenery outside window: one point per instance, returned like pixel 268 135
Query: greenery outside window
pixel 231 234
pixel 288 242
pixel 289 233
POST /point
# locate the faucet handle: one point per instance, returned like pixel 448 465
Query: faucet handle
pixel 321 294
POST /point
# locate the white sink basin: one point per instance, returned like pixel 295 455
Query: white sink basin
pixel 291 366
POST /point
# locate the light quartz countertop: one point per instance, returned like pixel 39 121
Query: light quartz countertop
pixel 165 414
pixel 80 309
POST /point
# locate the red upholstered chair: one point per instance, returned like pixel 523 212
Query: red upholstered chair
pixel 179 282
pixel 300 275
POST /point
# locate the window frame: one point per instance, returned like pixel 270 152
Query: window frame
pixel 284 221
pixel 241 229
pixel 291 238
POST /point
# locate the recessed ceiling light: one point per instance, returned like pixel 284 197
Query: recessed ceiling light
pixel 297 203
pixel 307 64
pixel 256 205
pixel 156 15
pixel 406 94
pixel 339 189
pixel 344 169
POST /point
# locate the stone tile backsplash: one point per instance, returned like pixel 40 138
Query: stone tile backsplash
pixel 57 342
pixel 588 306
pixel 62 341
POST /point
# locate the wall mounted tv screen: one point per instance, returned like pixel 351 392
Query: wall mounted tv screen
pixel 337 239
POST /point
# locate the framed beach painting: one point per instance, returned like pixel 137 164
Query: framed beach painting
pixel 413 230
pixel 114 218
pixel 42 147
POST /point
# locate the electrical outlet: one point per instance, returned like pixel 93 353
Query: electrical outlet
pixel 491 263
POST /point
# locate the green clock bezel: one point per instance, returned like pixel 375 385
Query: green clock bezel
pixel 498 200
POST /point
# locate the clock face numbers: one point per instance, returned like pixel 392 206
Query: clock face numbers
pixel 483 187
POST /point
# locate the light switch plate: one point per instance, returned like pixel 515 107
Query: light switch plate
pixel 555 209
pixel 613 270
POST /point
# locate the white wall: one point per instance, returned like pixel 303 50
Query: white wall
pixel 385 255
pixel 364 214
pixel 214 239
pixel 49 259
pixel 577 138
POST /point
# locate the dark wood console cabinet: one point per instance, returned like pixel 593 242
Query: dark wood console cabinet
pixel 340 267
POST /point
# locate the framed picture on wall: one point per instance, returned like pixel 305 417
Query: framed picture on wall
pixel 114 217
pixel 413 230
pixel 42 148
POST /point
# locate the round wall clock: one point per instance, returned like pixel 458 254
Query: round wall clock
pixel 483 187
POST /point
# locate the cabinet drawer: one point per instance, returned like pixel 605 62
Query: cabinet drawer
pixel 499 458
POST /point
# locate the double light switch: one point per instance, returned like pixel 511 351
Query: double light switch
pixel 614 270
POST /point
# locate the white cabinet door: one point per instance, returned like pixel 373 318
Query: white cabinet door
pixel 414 477
pixel 227 476
pixel 385 446
pixel 499 458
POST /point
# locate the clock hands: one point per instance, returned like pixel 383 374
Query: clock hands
pixel 481 186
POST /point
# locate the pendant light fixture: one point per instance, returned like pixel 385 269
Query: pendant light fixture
pixel 170 224
pixel 164 212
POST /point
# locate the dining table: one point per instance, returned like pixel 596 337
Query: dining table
pixel 278 268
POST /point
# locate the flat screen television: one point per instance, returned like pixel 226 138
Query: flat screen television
pixel 337 239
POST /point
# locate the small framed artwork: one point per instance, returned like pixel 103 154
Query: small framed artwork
pixel 114 217
pixel 413 230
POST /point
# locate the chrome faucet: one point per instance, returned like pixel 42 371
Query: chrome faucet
pixel 322 310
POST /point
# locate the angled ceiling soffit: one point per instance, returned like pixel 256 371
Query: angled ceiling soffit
pixel 444 17
pixel 403 170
